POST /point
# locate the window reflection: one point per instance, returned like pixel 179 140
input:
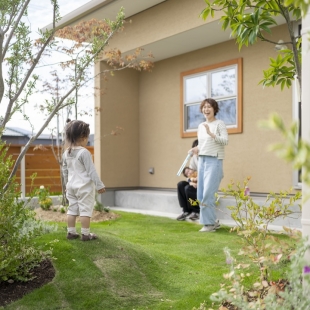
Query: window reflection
pixel 223 83
pixel 228 111
pixel 195 88
pixel 194 116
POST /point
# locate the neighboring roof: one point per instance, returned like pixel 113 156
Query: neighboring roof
pixel 20 132
pixel 13 133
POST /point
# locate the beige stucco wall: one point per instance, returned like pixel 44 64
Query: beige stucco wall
pixel 147 105
pixel 246 155
pixel 117 156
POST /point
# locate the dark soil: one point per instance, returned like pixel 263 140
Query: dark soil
pixel 42 274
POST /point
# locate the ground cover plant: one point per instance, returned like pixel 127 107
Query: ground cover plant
pixel 139 262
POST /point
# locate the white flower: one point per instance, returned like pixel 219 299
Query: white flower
pixel 42 187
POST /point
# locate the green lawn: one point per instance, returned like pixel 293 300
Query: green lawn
pixel 138 262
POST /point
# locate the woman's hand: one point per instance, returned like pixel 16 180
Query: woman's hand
pixel 102 190
pixel 212 135
pixel 194 150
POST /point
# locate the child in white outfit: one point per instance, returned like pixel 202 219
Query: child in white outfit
pixel 81 180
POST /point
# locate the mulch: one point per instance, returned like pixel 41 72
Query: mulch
pixel 43 274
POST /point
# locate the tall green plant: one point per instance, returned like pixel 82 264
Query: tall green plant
pixel 18 228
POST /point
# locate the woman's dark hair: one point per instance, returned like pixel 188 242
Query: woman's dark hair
pixel 75 131
pixel 213 104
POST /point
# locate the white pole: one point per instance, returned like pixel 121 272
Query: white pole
pixel 305 123
pixel 23 175
pixel 57 138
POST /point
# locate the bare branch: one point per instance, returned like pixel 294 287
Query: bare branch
pixel 273 42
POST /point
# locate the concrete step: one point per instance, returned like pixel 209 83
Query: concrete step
pixel 173 216
pixel 158 201
pixel 165 203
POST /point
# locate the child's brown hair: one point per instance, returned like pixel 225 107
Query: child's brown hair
pixel 75 131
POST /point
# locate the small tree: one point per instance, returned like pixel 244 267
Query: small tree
pixel 21 55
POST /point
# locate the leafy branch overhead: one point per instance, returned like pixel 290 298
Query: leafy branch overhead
pixel 92 37
pixel 250 21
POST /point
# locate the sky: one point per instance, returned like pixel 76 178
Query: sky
pixel 40 15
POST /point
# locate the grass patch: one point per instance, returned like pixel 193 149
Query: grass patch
pixel 138 262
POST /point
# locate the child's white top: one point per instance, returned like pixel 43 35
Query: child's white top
pixel 86 160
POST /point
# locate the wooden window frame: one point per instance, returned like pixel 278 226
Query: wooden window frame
pixel 238 62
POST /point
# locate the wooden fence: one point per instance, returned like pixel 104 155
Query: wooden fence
pixel 41 161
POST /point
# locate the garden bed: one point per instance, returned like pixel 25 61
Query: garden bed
pixel 55 215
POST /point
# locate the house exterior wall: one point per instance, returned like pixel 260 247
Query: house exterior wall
pixel 148 105
pixel 117 155
pixel 246 155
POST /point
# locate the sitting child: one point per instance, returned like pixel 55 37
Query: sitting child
pixel 187 192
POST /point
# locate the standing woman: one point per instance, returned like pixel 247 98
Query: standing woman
pixel 212 137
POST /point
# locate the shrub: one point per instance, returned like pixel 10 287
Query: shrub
pixel 294 296
pixel 297 293
pixel 99 206
pixel 18 228
pixel 252 225
pixel 259 245
pixel 45 201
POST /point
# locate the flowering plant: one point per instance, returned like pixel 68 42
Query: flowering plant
pixel 45 201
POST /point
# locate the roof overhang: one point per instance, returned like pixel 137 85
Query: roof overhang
pixel 208 34
pixel 109 7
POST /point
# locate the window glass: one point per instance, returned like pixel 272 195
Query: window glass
pixel 228 111
pixel 195 88
pixel 223 83
pixel 194 116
